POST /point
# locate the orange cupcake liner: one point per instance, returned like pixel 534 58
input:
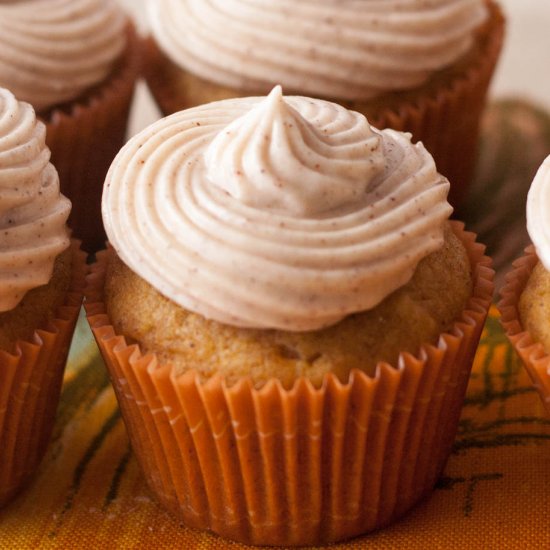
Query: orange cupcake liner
pixel 85 137
pixel 295 466
pixel 30 385
pixel 444 114
pixel 531 352
pixel 447 117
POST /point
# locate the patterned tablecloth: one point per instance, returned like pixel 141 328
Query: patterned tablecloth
pixel 89 492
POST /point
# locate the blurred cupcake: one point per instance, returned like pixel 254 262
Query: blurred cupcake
pixel 288 318
pixel 420 67
pixel 41 280
pixel 525 303
pixel 76 62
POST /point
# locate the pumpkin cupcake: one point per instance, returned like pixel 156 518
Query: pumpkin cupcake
pixel 40 293
pixel 525 304
pixel 420 67
pixel 287 315
pixel 76 62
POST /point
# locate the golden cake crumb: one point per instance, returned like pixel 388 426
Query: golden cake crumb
pixel 534 306
pixel 414 314
pixel 37 306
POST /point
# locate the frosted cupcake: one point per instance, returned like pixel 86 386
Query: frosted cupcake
pixel 76 62
pixel 41 278
pixel 284 311
pixel 421 67
pixel 525 304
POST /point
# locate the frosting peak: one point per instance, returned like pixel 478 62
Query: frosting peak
pixel 32 211
pixel 538 207
pixel 326 219
pixel 273 158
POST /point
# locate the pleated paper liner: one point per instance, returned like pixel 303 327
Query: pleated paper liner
pixel 30 385
pixel 84 137
pixel 295 466
pixel 444 114
pixel 532 353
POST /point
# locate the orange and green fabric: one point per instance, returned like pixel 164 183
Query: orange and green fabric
pixel 89 492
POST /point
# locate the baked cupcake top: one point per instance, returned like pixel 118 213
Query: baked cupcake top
pixel 347 49
pixel 51 51
pixel 538 207
pixel 274 212
pixel 32 211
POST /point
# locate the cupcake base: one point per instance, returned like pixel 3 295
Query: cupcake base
pixel 531 352
pixel 30 384
pixel 444 113
pixel 84 137
pixel 295 466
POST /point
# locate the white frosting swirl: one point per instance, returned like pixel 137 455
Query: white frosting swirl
pixel 538 213
pixel 53 50
pixel 273 158
pixel 348 49
pixel 228 209
pixel 32 211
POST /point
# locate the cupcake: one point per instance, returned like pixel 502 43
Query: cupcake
pixel 525 303
pixel 420 67
pixel 287 315
pixel 42 277
pixel 76 62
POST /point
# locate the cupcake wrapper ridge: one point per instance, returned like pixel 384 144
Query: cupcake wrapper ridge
pixel 295 466
pixel 532 353
pixel 30 385
pixel 447 119
pixel 84 139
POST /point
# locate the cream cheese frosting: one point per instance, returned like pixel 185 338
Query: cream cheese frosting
pixel 32 211
pixel 51 51
pixel 347 49
pixel 538 213
pixel 277 212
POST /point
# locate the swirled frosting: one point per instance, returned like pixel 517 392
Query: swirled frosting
pixel 32 211
pixel 347 49
pixel 538 209
pixel 273 212
pixel 53 50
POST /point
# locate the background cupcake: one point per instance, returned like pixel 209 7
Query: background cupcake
pixel 40 292
pixel 422 68
pixel 256 253
pixel 76 62
pixel 525 304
